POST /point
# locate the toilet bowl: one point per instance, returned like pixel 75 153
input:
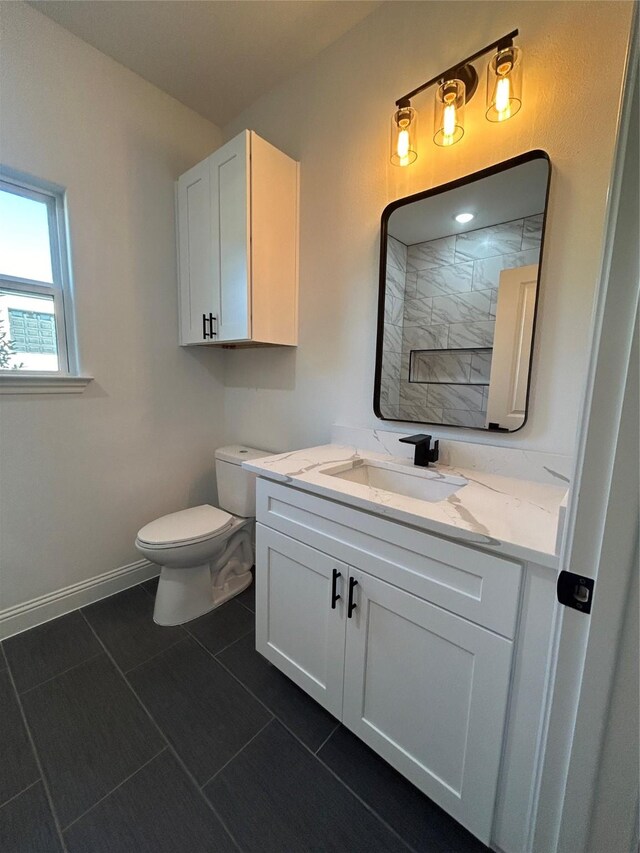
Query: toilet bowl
pixel 205 552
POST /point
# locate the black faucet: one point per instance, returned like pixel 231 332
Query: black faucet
pixel 424 453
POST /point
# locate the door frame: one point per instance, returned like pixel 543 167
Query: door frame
pixel 587 646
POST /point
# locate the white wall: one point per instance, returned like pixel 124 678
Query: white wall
pixel 79 474
pixel 334 117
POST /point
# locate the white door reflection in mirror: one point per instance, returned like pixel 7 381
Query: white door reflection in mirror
pixel 507 401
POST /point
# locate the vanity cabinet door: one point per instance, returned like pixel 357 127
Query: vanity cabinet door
pixel 297 629
pixel 427 690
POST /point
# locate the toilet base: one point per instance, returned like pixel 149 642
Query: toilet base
pixel 186 594
pixel 234 586
pixel 187 591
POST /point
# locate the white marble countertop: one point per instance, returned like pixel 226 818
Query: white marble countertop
pixel 518 518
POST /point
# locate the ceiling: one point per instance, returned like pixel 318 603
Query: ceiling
pixel 512 194
pixel 215 57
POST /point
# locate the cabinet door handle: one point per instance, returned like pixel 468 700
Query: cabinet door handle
pixel 334 583
pixel 353 583
pixel 210 320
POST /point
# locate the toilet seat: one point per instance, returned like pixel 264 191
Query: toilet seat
pixel 186 527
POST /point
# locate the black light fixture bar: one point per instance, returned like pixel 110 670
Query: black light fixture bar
pixel 505 41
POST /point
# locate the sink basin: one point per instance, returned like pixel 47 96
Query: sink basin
pixel 425 484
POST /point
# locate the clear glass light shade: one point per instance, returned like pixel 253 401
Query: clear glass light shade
pixel 504 84
pixel 404 125
pixel 448 125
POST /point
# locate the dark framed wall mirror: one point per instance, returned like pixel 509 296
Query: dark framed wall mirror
pixel 459 281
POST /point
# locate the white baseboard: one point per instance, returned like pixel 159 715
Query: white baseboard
pixel 20 617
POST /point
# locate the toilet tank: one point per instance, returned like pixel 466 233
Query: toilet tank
pixel 237 487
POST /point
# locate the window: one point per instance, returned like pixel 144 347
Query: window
pixel 36 322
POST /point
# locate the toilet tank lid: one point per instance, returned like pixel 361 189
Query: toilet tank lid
pixel 238 453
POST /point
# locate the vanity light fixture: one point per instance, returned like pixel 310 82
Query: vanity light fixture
pixel 404 124
pixel 456 87
pixel 504 84
pixel 449 112
pixel 463 218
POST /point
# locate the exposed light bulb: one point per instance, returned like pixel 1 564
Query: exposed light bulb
pixel 448 124
pixel 464 217
pixel 504 84
pixel 403 129
pixel 449 112
pixel 403 145
pixel 503 98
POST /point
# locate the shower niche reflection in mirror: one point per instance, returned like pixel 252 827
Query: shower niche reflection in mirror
pixel 459 277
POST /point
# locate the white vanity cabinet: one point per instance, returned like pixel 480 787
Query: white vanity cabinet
pixel 397 633
pixel 237 221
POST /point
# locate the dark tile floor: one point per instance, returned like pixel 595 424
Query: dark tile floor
pixel 118 736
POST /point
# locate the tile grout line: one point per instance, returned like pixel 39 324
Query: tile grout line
pixel 363 802
pixel 142 586
pixel 328 737
pixel 19 794
pixel 242 748
pixel 246 606
pixel 214 655
pixel 228 646
pixel 62 672
pixel 154 656
pixel 369 808
pixel 312 753
pixel 108 794
pixel 36 756
pixel 169 745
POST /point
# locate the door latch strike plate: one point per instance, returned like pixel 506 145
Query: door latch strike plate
pixel 575 591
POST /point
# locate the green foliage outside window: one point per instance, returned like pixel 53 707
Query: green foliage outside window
pixel 7 350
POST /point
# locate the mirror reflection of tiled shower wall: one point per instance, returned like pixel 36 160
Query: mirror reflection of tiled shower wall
pixel 449 297
pixel 392 369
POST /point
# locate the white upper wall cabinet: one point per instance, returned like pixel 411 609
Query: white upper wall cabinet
pixel 237 216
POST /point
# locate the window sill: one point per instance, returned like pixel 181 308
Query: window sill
pixel 42 383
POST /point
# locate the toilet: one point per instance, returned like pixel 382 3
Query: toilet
pixel 206 552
